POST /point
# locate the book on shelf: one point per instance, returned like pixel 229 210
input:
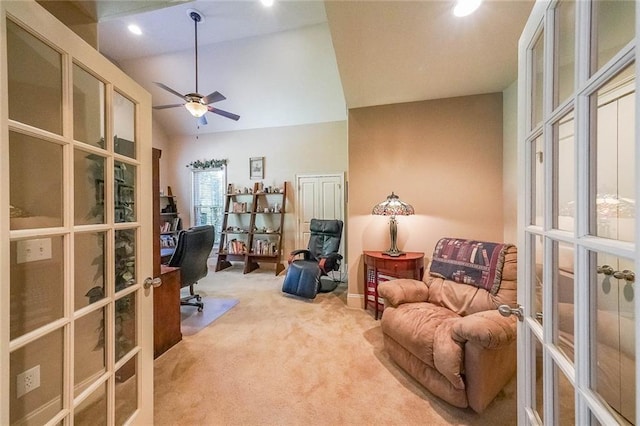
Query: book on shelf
pixel 239 207
pixel 237 247
pixel 167 241
pixel 264 247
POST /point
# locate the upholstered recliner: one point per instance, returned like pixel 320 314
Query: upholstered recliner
pixel 320 258
pixel 446 331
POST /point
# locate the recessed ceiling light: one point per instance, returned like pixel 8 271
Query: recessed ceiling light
pixel 135 29
pixel 466 7
pixel 267 3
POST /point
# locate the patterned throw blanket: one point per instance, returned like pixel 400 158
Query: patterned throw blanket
pixel 476 263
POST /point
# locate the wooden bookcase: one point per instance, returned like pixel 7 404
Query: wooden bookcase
pixel 252 228
pixel 170 224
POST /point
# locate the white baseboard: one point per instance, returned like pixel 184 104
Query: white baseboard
pixel 355 300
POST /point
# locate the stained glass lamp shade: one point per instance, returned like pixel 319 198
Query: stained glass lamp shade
pixel 393 207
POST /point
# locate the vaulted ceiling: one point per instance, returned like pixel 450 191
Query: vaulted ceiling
pixel 301 62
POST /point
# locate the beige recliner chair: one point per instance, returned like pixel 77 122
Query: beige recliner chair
pixel 446 331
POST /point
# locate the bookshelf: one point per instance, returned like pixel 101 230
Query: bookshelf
pixel 170 223
pixel 252 228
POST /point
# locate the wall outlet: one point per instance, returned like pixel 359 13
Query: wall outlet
pixel 27 381
pixel 32 250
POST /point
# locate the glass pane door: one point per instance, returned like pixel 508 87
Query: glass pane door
pixel 577 141
pixel 77 311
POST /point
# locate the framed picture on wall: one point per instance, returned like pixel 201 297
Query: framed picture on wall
pixel 256 168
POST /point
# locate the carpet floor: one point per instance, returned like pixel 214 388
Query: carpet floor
pixel 275 359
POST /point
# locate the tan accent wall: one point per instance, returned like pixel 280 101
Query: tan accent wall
pixel 510 161
pixel 443 156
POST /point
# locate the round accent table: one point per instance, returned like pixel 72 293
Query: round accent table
pixel 379 267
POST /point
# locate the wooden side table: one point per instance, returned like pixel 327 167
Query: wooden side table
pixel 166 311
pixel 380 267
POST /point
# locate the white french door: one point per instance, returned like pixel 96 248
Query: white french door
pixel 76 323
pixel 578 153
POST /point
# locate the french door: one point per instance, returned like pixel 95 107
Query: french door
pixel 76 337
pixel 578 230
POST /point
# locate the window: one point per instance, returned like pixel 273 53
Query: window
pixel 208 198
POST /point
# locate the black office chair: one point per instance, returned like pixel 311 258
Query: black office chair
pixel 320 258
pixel 191 254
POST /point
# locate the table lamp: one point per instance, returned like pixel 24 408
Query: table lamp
pixel 393 206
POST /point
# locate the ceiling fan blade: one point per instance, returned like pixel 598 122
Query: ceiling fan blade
pixel 169 89
pixel 167 106
pixel 213 97
pixel 202 121
pixel 224 113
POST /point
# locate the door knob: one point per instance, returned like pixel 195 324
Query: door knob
pixel 507 311
pixel 626 275
pixel 605 269
pixel 152 282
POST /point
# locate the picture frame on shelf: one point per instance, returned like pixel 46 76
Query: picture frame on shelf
pixel 256 168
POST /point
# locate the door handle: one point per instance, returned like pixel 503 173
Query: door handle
pixel 152 282
pixel 626 275
pixel 507 311
pixel 605 269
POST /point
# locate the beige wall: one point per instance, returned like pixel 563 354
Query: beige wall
pixel 510 161
pixel 444 157
pixel 162 142
pixel 313 148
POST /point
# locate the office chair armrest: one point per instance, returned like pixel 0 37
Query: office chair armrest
pixel 306 253
pixel 331 262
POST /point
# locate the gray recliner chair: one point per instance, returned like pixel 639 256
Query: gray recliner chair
pixel 320 258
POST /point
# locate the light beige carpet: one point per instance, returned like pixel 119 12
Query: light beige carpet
pixel 279 360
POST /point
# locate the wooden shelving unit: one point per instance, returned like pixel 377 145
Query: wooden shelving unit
pixel 252 228
pixel 170 224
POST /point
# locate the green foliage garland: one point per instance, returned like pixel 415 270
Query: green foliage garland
pixel 207 164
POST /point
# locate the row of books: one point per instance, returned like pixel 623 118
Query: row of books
pixel 236 247
pixel 171 226
pixel 264 247
pixel 239 207
pixel 168 241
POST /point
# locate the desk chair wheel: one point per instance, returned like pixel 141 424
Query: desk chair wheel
pixel 198 298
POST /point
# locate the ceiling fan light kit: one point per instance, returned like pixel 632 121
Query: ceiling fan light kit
pixel 196 108
pixel 195 103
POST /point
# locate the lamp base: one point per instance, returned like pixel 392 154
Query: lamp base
pixel 393 253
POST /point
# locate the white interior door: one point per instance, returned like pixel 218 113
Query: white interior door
pixel 318 197
pixel 76 342
pixel 577 223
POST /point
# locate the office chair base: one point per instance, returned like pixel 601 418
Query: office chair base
pixel 185 301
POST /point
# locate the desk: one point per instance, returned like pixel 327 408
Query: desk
pixel 166 311
pixel 379 267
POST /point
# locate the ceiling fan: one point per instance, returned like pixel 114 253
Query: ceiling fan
pixel 195 103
